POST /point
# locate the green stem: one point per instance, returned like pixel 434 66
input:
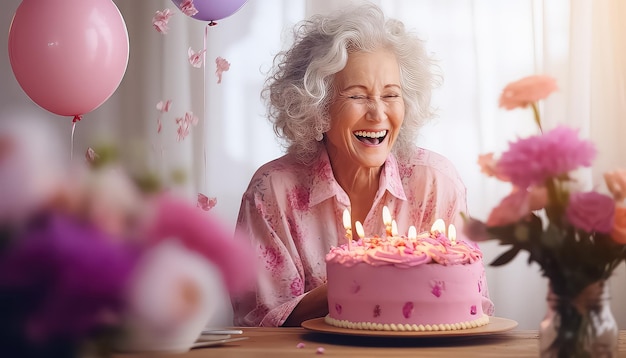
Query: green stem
pixel 537 117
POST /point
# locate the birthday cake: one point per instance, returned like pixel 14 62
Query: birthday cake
pixel 424 282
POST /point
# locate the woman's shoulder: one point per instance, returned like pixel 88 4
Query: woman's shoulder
pixel 429 161
pixel 284 170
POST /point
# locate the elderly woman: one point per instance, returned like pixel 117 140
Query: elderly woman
pixel 348 99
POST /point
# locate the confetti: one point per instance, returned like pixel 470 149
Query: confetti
pixel 221 66
pixel 160 20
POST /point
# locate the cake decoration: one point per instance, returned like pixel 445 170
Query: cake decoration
pixel 426 281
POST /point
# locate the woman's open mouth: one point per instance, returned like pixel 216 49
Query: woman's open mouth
pixel 372 138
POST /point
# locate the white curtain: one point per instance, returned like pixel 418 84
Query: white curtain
pixel 480 45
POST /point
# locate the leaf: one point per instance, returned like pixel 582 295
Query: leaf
pixel 506 257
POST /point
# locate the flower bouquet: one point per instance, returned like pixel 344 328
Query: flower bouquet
pixel 90 263
pixel 576 237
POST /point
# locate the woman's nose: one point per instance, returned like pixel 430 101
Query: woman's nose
pixel 375 109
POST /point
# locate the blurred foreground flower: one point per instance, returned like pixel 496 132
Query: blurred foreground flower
pixel 91 263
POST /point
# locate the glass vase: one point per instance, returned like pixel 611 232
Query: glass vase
pixel 581 326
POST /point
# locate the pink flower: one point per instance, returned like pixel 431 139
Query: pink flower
pixel 195 58
pixel 618 234
pixel 591 211
pixel 616 182
pixel 110 200
pixel 161 19
pixel 221 66
pixel 527 90
pixel 488 167
pixel 168 294
pixel 296 287
pixel 188 8
pixel 531 161
pixel 511 209
pixel 206 235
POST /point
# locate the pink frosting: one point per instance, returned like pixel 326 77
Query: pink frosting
pixel 402 251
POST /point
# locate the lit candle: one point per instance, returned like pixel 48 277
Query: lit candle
pixel 347 224
pixel 394 228
pixel 452 234
pixel 412 232
pixel 359 229
pixel 387 220
pixel 439 226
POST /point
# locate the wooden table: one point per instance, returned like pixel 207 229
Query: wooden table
pixel 282 342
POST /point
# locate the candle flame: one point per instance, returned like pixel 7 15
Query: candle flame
pixel 359 229
pixel 394 228
pixel 412 232
pixel 439 226
pixel 452 234
pixel 346 219
pixel 386 216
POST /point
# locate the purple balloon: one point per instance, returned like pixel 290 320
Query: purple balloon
pixel 212 10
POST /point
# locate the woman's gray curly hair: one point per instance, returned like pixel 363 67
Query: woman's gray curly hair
pixel 300 86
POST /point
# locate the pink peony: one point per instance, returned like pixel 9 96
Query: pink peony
pixel 527 90
pixel 591 211
pixel 532 160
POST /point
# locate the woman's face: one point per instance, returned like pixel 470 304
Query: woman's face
pixel 367 109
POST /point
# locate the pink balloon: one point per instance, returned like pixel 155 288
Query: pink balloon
pixel 69 56
pixel 213 10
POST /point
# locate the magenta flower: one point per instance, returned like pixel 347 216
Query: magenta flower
pixel 531 161
pixel 62 280
pixel 591 211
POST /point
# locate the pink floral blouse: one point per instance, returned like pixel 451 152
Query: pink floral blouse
pixel 292 214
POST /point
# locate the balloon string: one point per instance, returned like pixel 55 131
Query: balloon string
pixel 72 141
pixel 204 100
pixel 77 118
